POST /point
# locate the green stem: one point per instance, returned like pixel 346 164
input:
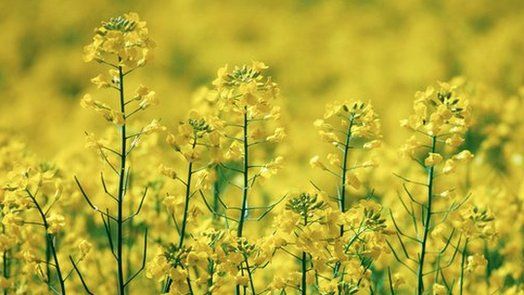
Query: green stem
pixel 462 266
pixel 121 176
pixel 5 270
pixel 48 264
pixel 5 254
pixel 50 238
pixel 250 275
pixel 216 193
pixel 304 261
pixel 426 222
pixel 390 280
pixel 245 186
pixel 488 265
pixel 181 238
pixel 342 197
pixel 304 273
pixel 188 195
pixel 211 270
pixel 50 241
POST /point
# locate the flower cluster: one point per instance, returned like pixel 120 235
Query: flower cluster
pixel 329 262
pixel 33 217
pixel 440 112
pixel 347 126
pixel 122 44
pixel 125 37
pixel 440 121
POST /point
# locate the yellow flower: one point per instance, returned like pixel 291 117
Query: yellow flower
pixel 242 280
pixel 55 222
pixel 398 280
pixel 315 163
pixel 447 194
pixel 258 66
pixel 87 102
pixel 277 136
pixel 154 126
pixel 272 167
pixel 221 76
pixel 449 166
pixel 353 181
pixel 455 140
pixel 168 171
pixel 101 81
pixel 476 263
pixel 439 289
pixel 372 144
pixel 148 99
pixel 409 148
pixel 141 91
pixel 84 247
pixel 235 151
pixel 433 159
pixel 334 159
pixel 126 37
pixel 463 155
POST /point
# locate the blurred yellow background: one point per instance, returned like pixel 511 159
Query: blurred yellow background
pixel 318 51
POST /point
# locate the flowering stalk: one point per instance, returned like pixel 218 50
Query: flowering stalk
pixel 187 197
pixel 306 206
pixel 193 134
pixel 442 117
pixel 245 96
pixel 351 119
pixel 125 39
pixel 120 190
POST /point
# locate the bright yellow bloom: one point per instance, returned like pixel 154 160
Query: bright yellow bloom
pixel 433 159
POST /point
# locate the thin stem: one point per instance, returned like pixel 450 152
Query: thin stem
pixel 50 237
pixel 243 211
pixel 342 197
pixel 5 261
pixel 48 263
pixel 211 271
pixel 188 195
pixel 391 288
pixel 304 273
pixel 121 178
pixel 245 187
pixel 250 275
pixel 462 267
pixel 304 261
pixel 216 192
pixel 50 242
pixel 167 285
pixel 84 284
pixel 426 223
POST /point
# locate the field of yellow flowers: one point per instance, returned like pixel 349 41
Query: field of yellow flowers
pixel 262 147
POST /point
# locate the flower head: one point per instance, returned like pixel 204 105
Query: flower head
pixel 123 40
